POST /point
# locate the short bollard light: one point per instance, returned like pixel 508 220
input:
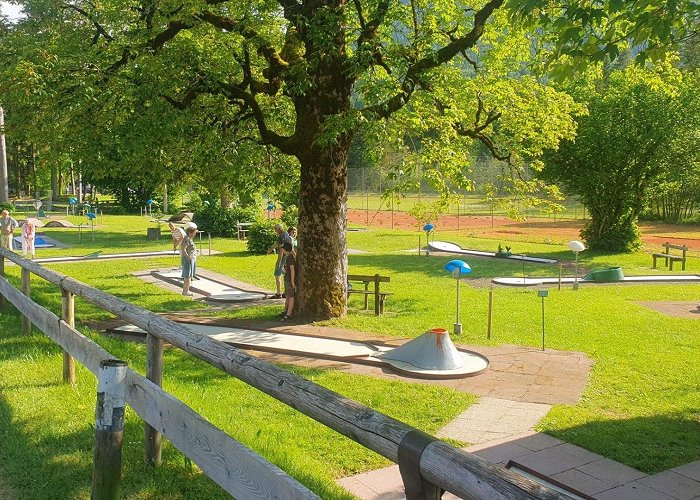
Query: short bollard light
pixel 576 247
pixel 72 201
pixel 457 268
pixel 428 228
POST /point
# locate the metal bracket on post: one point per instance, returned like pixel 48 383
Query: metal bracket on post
pixel 410 450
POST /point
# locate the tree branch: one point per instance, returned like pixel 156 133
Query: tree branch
pixel 99 30
pixel 416 71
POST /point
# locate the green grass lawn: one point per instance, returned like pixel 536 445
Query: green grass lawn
pixel 641 406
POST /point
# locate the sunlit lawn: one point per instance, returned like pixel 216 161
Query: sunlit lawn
pixel 641 406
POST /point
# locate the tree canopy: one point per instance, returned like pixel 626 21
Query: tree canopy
pixel 302 76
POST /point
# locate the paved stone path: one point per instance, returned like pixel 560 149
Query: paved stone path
pixel 678 309
pixel 501 431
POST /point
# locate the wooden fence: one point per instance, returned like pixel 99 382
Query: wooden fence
pixel 427 464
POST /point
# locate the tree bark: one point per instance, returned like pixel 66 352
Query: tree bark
pixel 323 258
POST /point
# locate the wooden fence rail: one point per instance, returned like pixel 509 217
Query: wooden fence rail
pixel 436 462
pixel 236 468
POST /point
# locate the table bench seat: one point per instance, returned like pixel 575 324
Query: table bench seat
pixel 379 296
pixel 670 258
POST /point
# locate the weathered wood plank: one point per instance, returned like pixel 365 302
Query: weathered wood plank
pixel 154 373
pixel 43 319
pixel 68 315
pixel 236 468
pixel 26 290
pixel 109 430
pixel 372 429
pixel 233 466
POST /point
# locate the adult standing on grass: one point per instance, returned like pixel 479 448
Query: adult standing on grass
pixel 290 279
pixel 188 259
pixel 28 237
pixel 7 227
pixel 178 235
pixel 282 238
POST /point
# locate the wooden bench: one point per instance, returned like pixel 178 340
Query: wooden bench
pixel 670 258
pixel 379 296
pixel 242 228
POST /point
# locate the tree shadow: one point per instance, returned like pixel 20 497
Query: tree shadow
pixel 649 444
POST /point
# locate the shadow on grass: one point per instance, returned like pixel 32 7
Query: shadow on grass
pixel 649 444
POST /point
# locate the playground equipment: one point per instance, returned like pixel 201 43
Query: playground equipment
pixel 576 247
pixel 445 246
pixel 607 275
pixel 433 355
pixel 457 268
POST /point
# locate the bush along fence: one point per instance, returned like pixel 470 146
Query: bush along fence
pixel 428 466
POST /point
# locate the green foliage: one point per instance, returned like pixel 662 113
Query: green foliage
pixel 634 115
pixel 261 236
pixel 10 207
pixel 217 220
pixel 290 216
pixel 428 212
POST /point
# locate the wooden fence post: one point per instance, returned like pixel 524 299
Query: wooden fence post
pixel 2 273
pixel 109 430
pixel 154 373
pixel 68 315
pixel 490 318
pixel 26 324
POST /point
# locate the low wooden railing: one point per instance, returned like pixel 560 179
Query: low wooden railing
pixel 427 464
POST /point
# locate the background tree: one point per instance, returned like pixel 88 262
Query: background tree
pixel 303 76
pixel 620 148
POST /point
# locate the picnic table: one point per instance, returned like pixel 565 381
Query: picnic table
pixel 366 280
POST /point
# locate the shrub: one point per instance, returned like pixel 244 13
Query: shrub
pixel 216 220
pixel 251 213
pixel 261 236
pixel 7 206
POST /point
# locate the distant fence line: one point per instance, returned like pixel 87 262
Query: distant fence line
pixel 427 464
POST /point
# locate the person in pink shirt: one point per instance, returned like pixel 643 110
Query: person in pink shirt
pixel 28 237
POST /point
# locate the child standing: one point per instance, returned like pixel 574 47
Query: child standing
pixel 290 279
pixel 28 237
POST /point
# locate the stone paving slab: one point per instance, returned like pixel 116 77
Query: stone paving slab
pixel 633 491
pixel 674 308
pixel 493 418
pixel 673 484
pixel 691 470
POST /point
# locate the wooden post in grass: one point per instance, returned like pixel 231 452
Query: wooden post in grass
pixel 488 329
pixel 2 273
pixel 68 315
pixel 109 430
pixel 154 373
pixel 26 324
pixel 560 268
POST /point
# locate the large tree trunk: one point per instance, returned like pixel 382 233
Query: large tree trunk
pixel 322 225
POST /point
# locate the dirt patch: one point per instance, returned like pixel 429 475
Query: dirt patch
pixel 541 229
pixel 689 310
